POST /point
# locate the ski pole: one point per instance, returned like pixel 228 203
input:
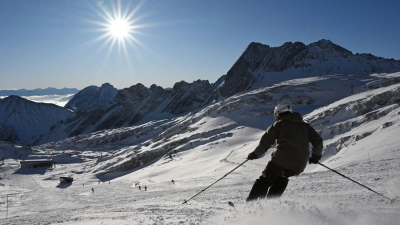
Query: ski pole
pixel 391 200
pixel 185 201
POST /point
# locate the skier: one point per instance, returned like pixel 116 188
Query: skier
pixel 173 181
pixel 140 188
pixel 145 188
pixel 292 136
pixel 92 190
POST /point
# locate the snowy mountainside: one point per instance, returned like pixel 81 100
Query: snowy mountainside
pixel 22 121
pixel 261 65
pixel 204 147
pixel 135 105
pixel 221 136
pixel 215 123
pixel 353 122
pixel 12 151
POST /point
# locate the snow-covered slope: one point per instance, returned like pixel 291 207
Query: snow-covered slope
pixel 206 146
pixel 368 122
pixel 144 143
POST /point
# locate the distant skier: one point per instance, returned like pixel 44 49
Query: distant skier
pixel 140 188
pixel 173 181
pixel 145 188
pixel 92 190
pixel 292 136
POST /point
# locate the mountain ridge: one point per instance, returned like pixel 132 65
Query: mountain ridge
pixel 105 107
pixel 261 65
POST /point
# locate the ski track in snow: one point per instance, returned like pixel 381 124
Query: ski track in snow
pixel 311 198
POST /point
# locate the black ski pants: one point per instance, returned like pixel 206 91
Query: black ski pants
pixel 272 182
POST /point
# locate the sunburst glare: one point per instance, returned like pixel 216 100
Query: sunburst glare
pixel 118 27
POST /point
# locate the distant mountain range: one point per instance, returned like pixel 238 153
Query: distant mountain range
pixel 39 91
pixel 344 116
pixel 98 108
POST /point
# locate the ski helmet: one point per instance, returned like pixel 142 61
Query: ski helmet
pixel 282 108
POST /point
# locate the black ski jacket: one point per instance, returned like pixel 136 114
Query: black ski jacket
pixel 292 136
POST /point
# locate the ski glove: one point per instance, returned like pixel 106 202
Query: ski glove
pixel 252 156
pixel 314 159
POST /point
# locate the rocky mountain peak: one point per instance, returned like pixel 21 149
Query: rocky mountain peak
pixel 106 86
pixel 180 85
pixel 92 96
pixel 13 98
pixel 328 47
pixel 262 65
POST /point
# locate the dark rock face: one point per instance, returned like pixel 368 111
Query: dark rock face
pixel 187 97
pixel 132 104
pixel 240 77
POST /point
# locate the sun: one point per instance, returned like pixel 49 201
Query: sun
pixel 118 24
pixel 119 29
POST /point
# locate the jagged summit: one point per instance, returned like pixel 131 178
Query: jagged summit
pixel 92 96
pixel 262 65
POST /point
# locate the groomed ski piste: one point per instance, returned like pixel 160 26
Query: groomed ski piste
pixel 361 141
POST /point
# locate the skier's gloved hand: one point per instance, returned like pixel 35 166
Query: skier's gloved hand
pixel 252 156
pixel 314 159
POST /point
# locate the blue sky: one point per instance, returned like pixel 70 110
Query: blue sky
pixel 51 43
